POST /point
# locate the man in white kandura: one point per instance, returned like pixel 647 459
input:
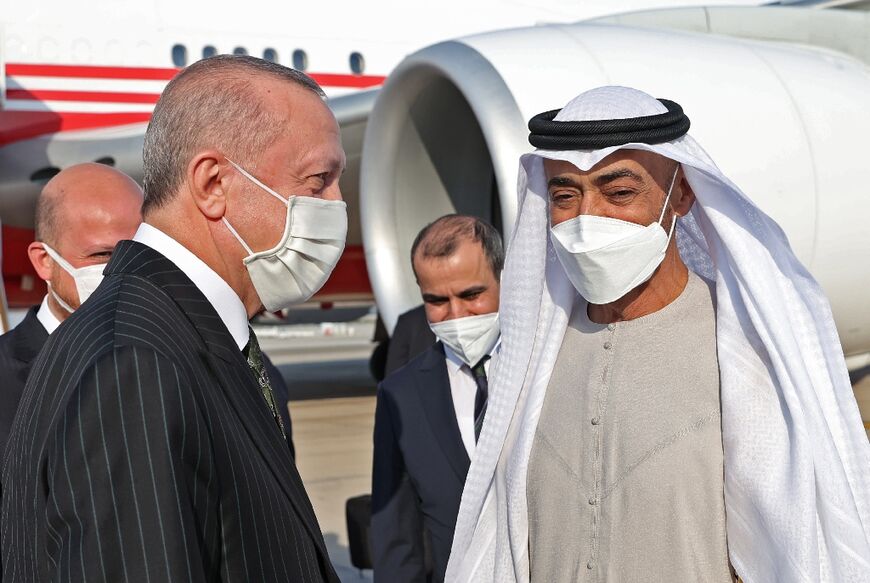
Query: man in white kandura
pixel 670 402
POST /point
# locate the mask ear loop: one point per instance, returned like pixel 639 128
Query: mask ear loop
pixel 55 256
pixel 253 179
pixel 66 266
pixel 667 200
pixel 237 236
pixel 56 297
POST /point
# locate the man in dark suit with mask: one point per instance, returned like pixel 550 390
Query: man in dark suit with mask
pixel 148 443
pixel 430 412
pixel 81 214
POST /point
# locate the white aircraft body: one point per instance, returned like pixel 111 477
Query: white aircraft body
pixel 78 81
pixel 777 94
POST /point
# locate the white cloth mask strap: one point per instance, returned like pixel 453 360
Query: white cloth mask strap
pixel 57 298
pixel 253 179
pixel 237 236
pixel 64 264
pixel 668 200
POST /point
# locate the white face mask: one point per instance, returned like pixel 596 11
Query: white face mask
pixel 87 278
pixel 471 338
pixel 298 266
pixel 607 258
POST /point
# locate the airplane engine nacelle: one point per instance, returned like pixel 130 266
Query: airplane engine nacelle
pixel 784 122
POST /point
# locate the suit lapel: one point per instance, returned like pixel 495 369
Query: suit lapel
pixel 248 402
pixel 437 400
pixel 230 366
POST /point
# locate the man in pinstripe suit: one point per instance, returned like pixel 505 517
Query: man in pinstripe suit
pixel 147 445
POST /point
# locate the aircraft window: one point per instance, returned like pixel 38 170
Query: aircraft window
pixel 208 51
pixel 300 60
pixel 44 174
pixel 179 55
pixel 240 51
pixel 357 63
pixel 270 55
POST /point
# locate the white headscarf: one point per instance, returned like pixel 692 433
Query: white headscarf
pixel 797 459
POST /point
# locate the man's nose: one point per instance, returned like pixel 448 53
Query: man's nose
pixel 333 192
pixel 457 309
pixel 590 204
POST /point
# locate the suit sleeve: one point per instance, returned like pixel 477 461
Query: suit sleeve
pixel 397 526
pixel 119 504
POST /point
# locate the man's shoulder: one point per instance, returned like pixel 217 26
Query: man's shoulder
pixel 700 297
pixel 124 311
pixel 413 317
pixel 407 376
pixel 29 331
pixel 413 324
pixel 75 364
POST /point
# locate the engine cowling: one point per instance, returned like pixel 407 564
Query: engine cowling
pixel 785 122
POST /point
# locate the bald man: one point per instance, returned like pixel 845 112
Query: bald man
pixel 81 214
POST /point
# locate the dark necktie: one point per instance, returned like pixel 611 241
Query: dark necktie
pixel 478 371
pixel 255 360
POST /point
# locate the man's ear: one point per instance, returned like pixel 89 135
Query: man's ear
pixel 40 260
pixel 207 180
pixel 683 204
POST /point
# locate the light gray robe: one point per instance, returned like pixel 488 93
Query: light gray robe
pixel 625 478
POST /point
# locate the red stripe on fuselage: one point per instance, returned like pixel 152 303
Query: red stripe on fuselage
pixel 88 96
pixel 22 125
pixel 91 72
pixel 353 81
pixel 165 74
pixel 16 126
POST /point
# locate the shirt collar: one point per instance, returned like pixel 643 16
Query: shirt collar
pixel 454 363
pixel 46 317
pixel 219 294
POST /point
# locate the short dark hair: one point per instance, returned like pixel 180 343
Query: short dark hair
pixel 441 237
pixel 211 103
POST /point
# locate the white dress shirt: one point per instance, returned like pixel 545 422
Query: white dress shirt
pixel 463 388
pixel 46 317
pixel 220 295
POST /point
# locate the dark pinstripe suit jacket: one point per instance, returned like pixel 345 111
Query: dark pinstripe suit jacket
pixel 143 449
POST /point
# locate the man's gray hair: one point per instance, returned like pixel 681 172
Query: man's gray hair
pixel 441 237
pixel 213 103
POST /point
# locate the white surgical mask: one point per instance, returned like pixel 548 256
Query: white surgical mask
pixel 87 278
pixel 606 258
pixel 298 266
pixel 471 338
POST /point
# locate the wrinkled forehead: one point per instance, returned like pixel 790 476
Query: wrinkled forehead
pixel 586 160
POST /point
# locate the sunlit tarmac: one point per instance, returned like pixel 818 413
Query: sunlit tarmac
pixel 333 438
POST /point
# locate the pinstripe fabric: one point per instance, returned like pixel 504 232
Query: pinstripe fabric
pixel 142 450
